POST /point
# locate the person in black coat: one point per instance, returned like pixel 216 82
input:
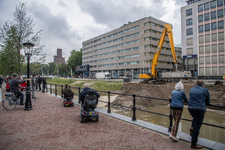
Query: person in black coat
pixel 39 83
pixel 85 92
pixel 43 83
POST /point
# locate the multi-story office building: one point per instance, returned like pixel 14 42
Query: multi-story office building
pixel 202 25
pixel 129 50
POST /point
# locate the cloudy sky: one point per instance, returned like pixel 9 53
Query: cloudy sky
pixel 67 23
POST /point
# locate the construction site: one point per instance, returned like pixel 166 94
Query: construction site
pixel 217 93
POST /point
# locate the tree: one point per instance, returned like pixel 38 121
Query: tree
pixel 62 69
pixel 24 32
pixel 75 59
pixel 8 54
pixel 51 67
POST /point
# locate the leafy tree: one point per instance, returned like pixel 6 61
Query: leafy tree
pixel 62 69
pixel 24 32
pixel 8 55
pixel 75 59
pixel 51 67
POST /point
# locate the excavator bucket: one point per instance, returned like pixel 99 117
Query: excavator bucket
pixel 178 67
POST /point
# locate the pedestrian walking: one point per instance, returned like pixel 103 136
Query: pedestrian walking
pixel 33 84
pixel 1 80
pixel 39 83
pixel 176 106
pixel 198 99
pixel 43 83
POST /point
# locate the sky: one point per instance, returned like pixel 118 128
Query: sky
pixel 67 23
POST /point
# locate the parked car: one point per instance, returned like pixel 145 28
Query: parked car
pixel 22 86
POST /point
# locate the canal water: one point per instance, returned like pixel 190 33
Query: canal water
pixel 211 116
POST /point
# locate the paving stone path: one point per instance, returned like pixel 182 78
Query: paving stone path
pixel 51 126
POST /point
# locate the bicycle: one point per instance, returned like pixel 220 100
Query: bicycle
pixel 11 101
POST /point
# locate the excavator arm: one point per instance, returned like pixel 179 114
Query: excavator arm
pixel 168 30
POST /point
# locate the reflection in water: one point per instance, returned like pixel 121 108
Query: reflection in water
pixel 207 132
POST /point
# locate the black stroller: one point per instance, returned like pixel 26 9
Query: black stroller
pixel 88 108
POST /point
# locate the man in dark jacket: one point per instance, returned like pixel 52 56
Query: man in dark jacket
pixel 198 99
pixel 85 92
pixel 33 85
pixel 67 90
pixel 39 83
pixel 13 85
pixel 44 82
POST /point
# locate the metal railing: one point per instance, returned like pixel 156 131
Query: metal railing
pixel 134 104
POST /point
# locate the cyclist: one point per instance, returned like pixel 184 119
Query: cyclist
pixel 13 85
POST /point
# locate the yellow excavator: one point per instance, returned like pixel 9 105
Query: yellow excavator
pixel 154 73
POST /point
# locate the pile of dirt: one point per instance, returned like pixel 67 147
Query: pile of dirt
pixel 217 94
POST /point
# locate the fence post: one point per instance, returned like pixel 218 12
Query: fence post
pixel 55 89
pixel 171 119
pixel 61 91
pixel 109 111
pixel 78 94
pixel 50 88
pixel 134 108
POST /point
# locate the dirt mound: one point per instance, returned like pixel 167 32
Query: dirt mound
pixel 217 94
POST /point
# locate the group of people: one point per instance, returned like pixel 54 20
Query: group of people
pixel 198 99
pixel 14 86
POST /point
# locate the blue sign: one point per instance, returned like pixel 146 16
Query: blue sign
pixel 189 56
pixel 196 73
pixel 86 74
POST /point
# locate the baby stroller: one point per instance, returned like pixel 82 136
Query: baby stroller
pixel 88 108
pixel 68 100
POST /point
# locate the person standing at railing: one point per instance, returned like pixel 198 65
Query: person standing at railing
pixel 198 99
pixel 176 106
pixel 33 84
pixel 44 83
pixel 39 83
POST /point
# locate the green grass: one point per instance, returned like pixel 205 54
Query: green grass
pixel 94 84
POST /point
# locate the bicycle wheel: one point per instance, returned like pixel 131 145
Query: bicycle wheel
pixel 8 104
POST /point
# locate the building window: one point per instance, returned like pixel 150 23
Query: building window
pixel 206 6
pixel 213 15
pixel 220 13
pixel 189 12
pixel 189 22
pixel 220 24
pixel 214 37
pixel 190 51
pixel 200 8
pixel 220 36
pixel 200 18
pixel 201 39
pixel 189 31
pixel 213 4
pixel 200 29
pixel 219 3
pixel 207 27
pixel 213 26
pixel 190 41
pixel 206 17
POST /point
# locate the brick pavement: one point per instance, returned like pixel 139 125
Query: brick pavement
pixel 51 126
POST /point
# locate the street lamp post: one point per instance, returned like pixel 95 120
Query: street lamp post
pixel 28 47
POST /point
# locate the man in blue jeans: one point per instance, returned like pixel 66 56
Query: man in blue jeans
pixel 198 99
pixel 14 84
